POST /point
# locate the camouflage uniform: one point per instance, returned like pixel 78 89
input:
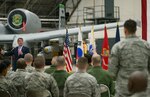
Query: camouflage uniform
pixel 18 80
pixel 38 80
pixel 83 83
pixel 9 74
pixel 63 75
pixel 7 86
pixel 127 56
pixel 51 69
pixel 141 94
pixel 148 88
pixel 103 77
pixel 29 68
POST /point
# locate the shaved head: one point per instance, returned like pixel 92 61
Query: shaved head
pixel 39 62
pixel 60 61
pixel 130 25
pixel 28 57
pixel 82 63
pixel 96 59
pixel 21 64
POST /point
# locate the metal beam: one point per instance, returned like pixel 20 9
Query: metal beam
pixel 26 4
pixel 76 6
pixel 55 8
pixel 32 4
pixel 39 3
pixel 2 5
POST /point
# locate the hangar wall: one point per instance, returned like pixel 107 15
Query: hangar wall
pixel 129 9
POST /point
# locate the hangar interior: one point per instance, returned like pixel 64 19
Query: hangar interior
pixel 94 13
pixel 50 14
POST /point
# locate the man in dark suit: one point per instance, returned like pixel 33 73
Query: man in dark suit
pixel 17 52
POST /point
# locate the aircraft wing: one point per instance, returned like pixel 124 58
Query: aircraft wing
pixel 72 31
pixel 31 37
pixel 6 38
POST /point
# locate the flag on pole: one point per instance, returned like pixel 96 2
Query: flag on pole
pixel 105 50
pixel 80 52
pixel 117 39
pixel 92 46
pixel 67 53
pixel 23 26
pixel 145 19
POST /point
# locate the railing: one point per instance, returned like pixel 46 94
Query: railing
pixel 99 12
pixel 89 15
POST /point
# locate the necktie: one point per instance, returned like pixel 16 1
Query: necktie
pixel 19 50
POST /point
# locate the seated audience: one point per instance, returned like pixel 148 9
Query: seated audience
pixel 9 70
pixel 52 68
pixel 18 77
pixel 38 80
pixel 102 76
pixel 81 82
pixel 137 84
pixel 60 74
pixel 6 85
pixel 29 59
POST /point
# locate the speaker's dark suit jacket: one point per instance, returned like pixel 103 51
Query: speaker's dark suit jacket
pixel 14 53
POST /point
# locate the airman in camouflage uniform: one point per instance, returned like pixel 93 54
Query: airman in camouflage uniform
pixel 81 82
pixel 131 54
pixel 38 80
pixel 137 84
pixel 28 59
pixel 5 84
pixel 18 77
pixel 9 71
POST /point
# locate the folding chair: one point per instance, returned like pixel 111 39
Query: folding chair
pixel 104 88
pixel 77 95
pixel 4 93
pixel 38 93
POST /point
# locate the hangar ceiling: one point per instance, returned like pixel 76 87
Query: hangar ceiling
pixel 43 8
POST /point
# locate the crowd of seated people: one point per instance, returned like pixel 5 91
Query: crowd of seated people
pixel 28 81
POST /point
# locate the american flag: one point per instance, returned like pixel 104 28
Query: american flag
pixel 67 53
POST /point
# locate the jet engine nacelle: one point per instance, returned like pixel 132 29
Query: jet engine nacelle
pixel 23 21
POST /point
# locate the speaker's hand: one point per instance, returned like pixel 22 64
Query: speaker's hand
pixel 2 52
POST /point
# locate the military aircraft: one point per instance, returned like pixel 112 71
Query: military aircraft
pixel 25 24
